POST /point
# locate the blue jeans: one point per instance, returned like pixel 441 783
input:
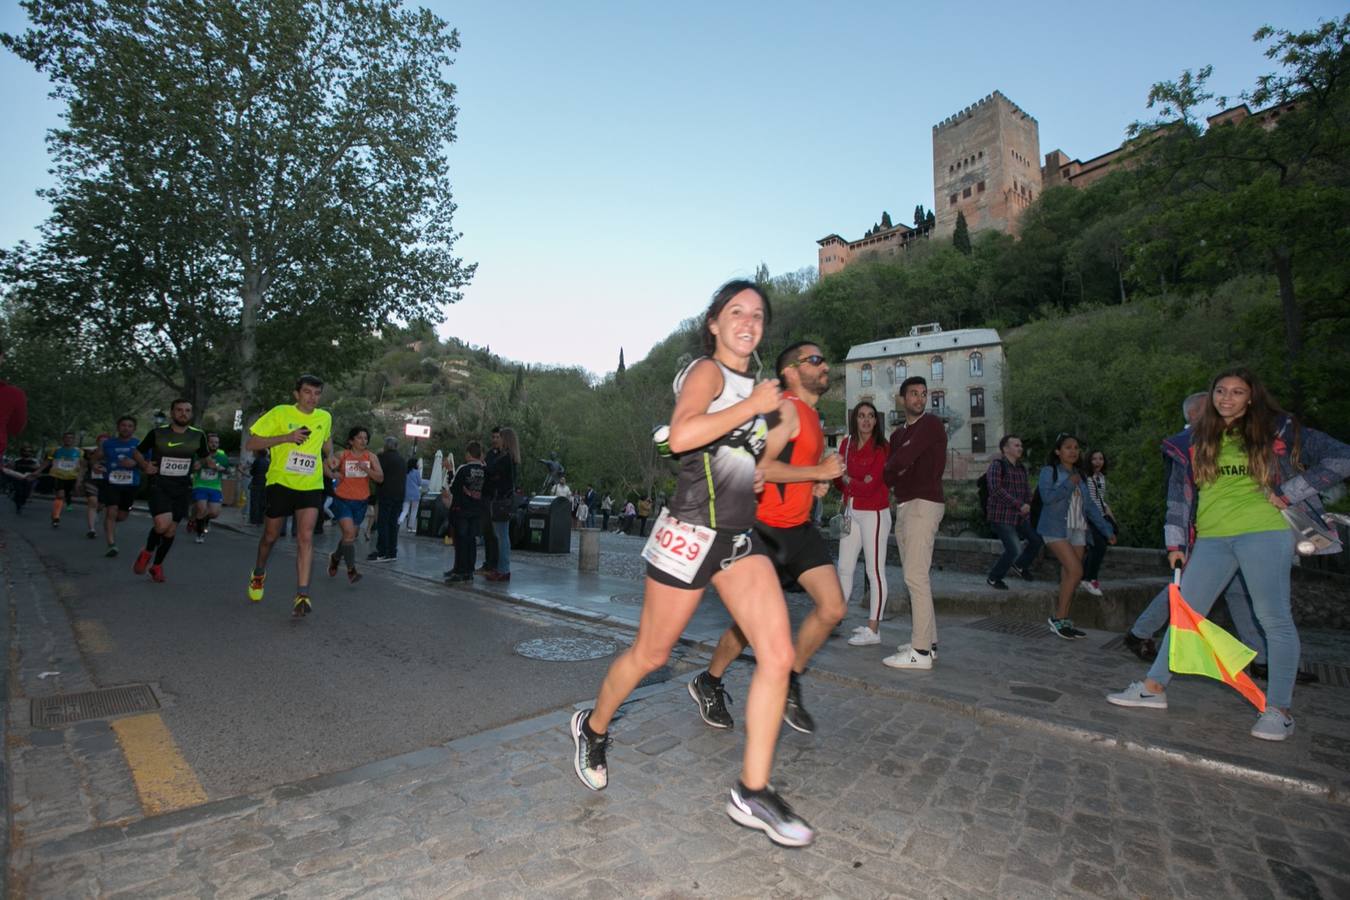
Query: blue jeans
pixel 503 532
pixel 1264 558
pixel 386 528
pixel 1239 602
pixel 1009 535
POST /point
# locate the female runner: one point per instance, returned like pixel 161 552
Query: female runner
pixel 718 432
pixel 356 468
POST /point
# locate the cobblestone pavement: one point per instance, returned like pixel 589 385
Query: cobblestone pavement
pixel 910 801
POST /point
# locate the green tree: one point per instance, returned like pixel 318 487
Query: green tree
pixel 919 217
pixel 262 175
pixel 886 221
pixel 618 373
pixel 961 236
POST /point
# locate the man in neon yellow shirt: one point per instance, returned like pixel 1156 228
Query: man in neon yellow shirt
pixel 299 437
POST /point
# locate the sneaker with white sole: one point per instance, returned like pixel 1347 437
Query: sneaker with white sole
pixel 1273 725
pixel 905 648
pixel 588 760
pixel 1063 628
pixel 864 637
pixel 1135 696
pixel 769 813
pixel 1093 587
pixel 909 658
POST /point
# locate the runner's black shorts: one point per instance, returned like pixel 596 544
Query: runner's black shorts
pixel 795 550
pixel 727 547
pixel 170 497
pixel 64 486
pixel 283 501
pixel 121 496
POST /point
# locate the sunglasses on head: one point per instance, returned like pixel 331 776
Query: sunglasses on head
pixel 814 359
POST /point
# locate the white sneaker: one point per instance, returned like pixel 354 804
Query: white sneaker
pixel 1093 587
pixel 864 637
pixel 907 658
pixel 1273 725
pixel 1136 696
pixel 906 648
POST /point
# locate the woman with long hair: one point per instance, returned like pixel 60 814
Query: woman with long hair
pixel 1066 510
pixel 502 476
pixel 867 510
pixel 357 469
pixel 1233 473
pixel 1096 484
pixel 718 433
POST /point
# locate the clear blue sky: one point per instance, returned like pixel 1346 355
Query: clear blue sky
pixel 617 161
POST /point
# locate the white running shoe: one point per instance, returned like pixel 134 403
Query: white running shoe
pixel 864 637
pixel 1136 697
pixel 1273 725
pixel 1093 587
pixel 908 658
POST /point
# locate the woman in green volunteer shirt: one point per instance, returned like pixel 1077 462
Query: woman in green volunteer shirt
pixel 1242 463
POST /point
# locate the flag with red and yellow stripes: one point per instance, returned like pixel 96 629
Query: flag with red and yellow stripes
pixel 1199 647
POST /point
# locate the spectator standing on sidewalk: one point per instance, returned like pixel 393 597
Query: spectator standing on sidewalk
pixel 1231 477
pixel 592 501
pixel 1066 510
pixel 606 507
pixel 412 495
pixel 501 475
pixel 492 467
pixel 917 458
pixel 867 509
pixel 1009 513
pixel 1096 484
pixel 644 512
pixel 466 508
pixel 390 495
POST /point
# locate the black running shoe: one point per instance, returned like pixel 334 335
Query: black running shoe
pixel 712 701
pixel 769 813
pixel 794 713
pixel 333 561
pixel 1144 648
pixel 1024 574
pixel 589 759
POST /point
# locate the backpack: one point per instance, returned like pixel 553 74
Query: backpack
pixel 1035 507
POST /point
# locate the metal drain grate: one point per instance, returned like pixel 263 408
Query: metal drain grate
pixel 1330 673
pixel 63 709
pixel 567 649
pixel 1015 627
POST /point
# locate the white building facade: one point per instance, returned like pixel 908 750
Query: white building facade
pixel 965 371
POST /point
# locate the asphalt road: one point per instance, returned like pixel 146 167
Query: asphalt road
pixel 253 699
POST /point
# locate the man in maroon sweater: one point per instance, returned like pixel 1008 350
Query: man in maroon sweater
pixel 914 473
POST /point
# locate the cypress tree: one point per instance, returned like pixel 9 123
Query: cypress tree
pixel 961 237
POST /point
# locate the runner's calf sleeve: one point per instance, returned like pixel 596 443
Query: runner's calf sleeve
pixel 349 554
pixel 153 540
pixel 163 549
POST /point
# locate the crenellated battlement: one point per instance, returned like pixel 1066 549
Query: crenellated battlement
pixel 972 109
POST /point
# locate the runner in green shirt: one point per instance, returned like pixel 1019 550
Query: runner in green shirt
pixel 206 495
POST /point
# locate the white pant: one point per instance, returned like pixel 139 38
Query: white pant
pixel 871 530
pixel 409 513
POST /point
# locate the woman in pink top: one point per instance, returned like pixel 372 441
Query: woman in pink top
pixel 867 510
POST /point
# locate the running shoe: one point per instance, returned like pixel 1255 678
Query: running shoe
pixel 142 562
pixel 157 573
pixel 353 576
pixel 864 637
pixel 255 587
pixel 56 523
pixel 1093 587
pixel 794 713
pixel 199 539
pixel 111 551
pixel 589 758
pixel 91 534
pixel 769 813
pixel 332 564
pixel 1062 627
pixel 1135 696
pixel 712 701
pixel 300 606
pixel 1273 725
pixel 191 525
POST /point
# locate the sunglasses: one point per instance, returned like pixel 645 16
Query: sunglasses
pixel 814 359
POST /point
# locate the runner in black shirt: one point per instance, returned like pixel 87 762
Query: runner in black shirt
pixel 167 454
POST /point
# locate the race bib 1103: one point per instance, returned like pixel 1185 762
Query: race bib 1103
pixel 302 463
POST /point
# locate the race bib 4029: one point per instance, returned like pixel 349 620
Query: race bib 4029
pixel 678 548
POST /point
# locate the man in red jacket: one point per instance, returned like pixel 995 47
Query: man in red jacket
pixel 914 473
pixel 13 410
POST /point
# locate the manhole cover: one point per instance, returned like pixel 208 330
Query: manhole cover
pixel 1016 627
pixel 627 599
pixel 1034 692
pixel 567 649
pixel 63 709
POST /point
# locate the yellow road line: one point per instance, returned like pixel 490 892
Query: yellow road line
pixel 93 636
pixel 163 778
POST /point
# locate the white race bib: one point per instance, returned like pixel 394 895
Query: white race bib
pixel 677 548
pixel 302 463
pixel 120 476
pixel 65 465
pixel 352 468
pixel 174 466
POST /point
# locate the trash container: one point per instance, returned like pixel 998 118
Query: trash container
pixel 548 523
pixel 426 517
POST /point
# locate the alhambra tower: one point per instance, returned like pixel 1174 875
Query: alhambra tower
pixel 986 164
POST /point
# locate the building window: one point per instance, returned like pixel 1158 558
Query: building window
pixel 901 371
pixel 965 192
pixel 938 401
pixel 893 418
pixel 867 375
pixel 980 187
pixel 981 154
pixel 937 368
pixel 977 403
pixel 953 199
pixel 977 365
pixel 977 437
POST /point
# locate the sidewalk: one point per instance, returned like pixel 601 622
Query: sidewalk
pixel 996 665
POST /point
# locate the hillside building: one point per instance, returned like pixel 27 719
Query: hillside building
pixel 966 373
